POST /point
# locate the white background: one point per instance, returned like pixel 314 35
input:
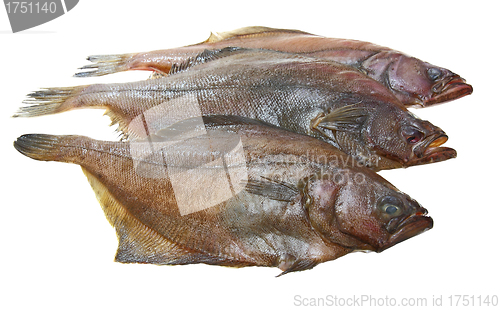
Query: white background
pixel 57 248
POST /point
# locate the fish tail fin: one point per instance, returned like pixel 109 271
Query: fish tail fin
pixel 105 64
pixel 48 101
pixel 40 146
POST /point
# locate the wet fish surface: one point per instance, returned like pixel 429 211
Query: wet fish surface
pixel 414 82
pixel 312 96
pixel 288 207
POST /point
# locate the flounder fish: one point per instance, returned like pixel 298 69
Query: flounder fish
pixel 414 82
pixel 224 190
pixel 307 95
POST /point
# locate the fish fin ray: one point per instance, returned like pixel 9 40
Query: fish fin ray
pixel 39 146
pixel 157 75
pixel 122 129
pixel 105 64
pixel 138 243
pixel 349 118
pixel 297 265
pixel 276 190
pixel 203 57
pixel 47 101
pixel 248 32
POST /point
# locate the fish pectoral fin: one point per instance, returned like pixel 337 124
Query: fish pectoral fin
pixel 275 190
pixel 252 31
pixel 203 57
pixel 288 263
pixel 349 118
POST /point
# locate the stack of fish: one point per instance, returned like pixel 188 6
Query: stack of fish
pixel 257 147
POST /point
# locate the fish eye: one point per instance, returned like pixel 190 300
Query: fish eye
pixel 412 134
pixel 391 209
pixel 391 206
pixel 434 73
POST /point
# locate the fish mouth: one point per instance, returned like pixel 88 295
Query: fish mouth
pixel 430 150
pixel 409 227
pixel 448 89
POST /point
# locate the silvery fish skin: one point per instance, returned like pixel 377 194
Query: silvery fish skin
pixel 320 98
pixel 283 208
pixel 414 82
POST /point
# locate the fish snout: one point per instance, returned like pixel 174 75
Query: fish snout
pixel 430 149
pixel 430 143
pixel 416 209
pixel 447 89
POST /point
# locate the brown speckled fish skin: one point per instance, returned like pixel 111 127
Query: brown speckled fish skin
pixel 414 82
pixel 306 218
pixel 323 99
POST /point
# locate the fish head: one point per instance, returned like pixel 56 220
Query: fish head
pixel 365 212
pixel 400 137
pixel 380 217
pixel 415 82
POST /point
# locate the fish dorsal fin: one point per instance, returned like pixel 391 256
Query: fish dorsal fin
pixel 276 190
pixel 349 118
pixel 253 31
pixel 203 57
pixel 157 75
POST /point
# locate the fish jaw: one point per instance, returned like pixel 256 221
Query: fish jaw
pixel 431 151
pixel 410 227
pixel 435 154
pixel 447 90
